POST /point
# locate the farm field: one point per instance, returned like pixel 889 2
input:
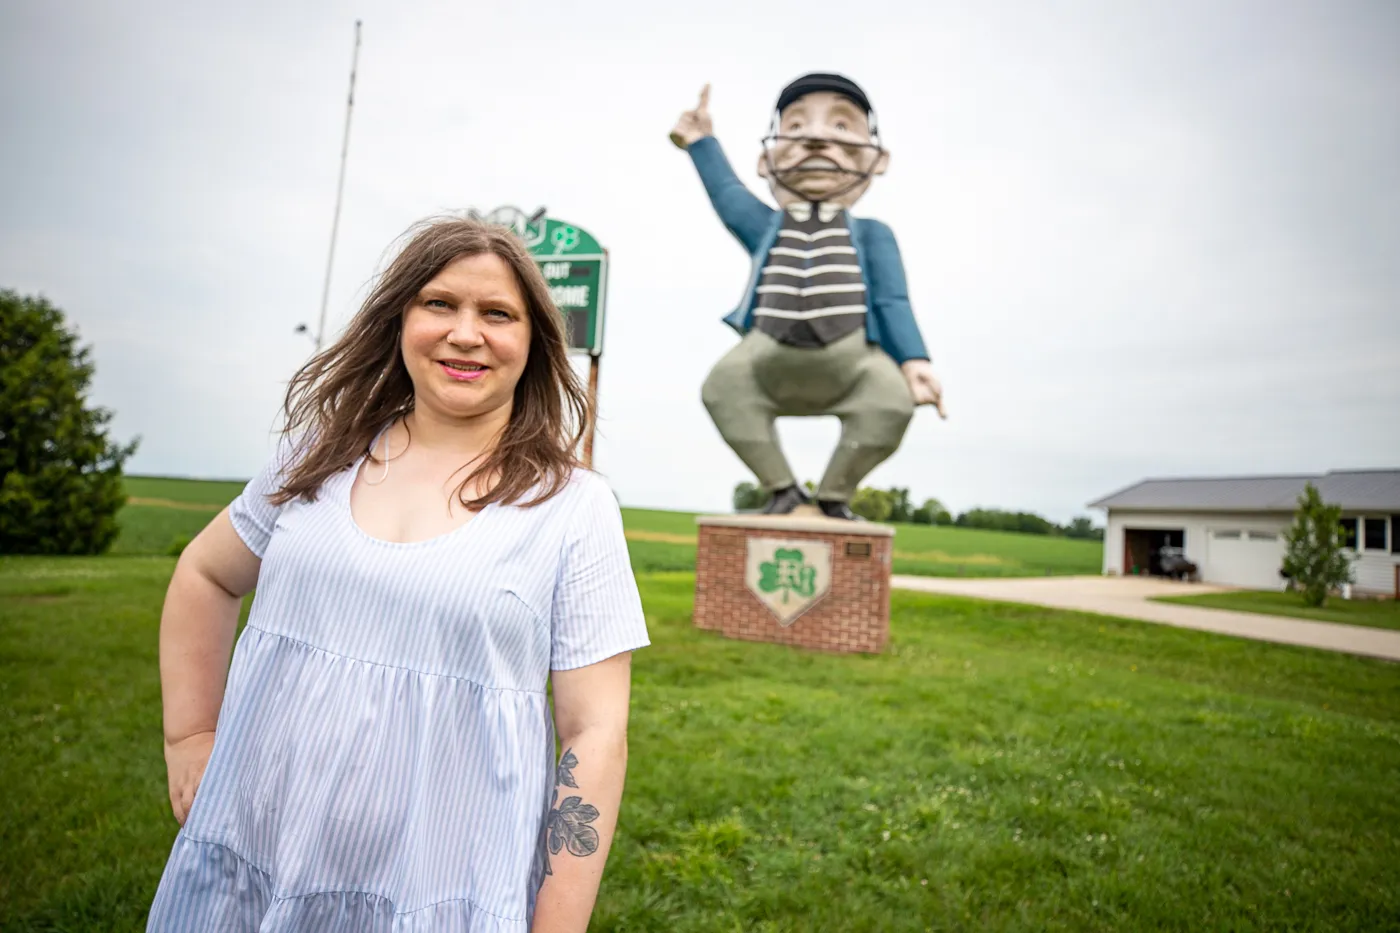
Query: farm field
pixel 164 510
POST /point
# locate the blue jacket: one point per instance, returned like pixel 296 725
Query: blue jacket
pixel 889 321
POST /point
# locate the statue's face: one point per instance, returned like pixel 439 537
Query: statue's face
pixel 823 146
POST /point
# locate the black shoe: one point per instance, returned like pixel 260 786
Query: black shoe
pixel 838 510
pixel 785 500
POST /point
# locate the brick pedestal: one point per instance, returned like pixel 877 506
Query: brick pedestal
pixel 852 614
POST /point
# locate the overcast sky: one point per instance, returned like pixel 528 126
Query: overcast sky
pixel 1142 239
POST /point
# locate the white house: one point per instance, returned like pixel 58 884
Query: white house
pixel 1231 528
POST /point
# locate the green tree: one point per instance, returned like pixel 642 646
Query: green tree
pixel 872 504
pixel 901 507
pixel 60 474
pixel 1082 528
pixel 931 512
pixel 998 520
pixel 1316 559
pixel 748 496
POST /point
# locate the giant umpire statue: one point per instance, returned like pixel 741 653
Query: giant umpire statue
pixel 825 317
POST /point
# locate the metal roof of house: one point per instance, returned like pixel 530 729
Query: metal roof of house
pixel 1354 490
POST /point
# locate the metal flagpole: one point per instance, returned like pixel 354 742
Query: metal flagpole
pixel 339 189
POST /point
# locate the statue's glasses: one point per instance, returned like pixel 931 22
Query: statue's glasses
pixel 861 176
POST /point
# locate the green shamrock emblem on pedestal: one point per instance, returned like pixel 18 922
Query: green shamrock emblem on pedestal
pixel 788 572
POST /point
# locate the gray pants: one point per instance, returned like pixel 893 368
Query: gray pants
pixel 761 380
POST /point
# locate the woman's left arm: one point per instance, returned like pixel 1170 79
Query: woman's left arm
pixel 590 716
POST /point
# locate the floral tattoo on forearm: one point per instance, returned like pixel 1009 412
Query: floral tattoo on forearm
pixel 567 824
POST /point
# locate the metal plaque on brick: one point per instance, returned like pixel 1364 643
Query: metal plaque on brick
pixel 789 576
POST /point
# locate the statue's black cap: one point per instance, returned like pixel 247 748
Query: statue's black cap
pixel 821 81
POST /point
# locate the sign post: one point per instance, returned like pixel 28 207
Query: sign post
pixel 575 267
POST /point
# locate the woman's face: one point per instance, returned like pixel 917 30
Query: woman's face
pixel 466 337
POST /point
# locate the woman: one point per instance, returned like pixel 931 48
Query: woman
pixel 427 555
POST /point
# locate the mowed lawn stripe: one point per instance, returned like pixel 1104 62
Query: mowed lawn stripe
pixel 172 504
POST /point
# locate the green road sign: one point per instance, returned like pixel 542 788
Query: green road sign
pixel 576 285
pixel 574 265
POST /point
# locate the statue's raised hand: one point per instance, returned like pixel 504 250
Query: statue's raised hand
pixel 923 385
pixel 694 124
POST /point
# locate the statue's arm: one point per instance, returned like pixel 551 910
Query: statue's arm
pixel 738 208
pixel 889 293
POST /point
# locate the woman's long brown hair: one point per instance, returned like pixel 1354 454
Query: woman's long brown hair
pixel 340 401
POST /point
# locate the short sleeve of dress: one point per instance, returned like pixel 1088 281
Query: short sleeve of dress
pixel 252 515
pixel 597 611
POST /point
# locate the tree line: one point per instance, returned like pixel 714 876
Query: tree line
pixel 896 505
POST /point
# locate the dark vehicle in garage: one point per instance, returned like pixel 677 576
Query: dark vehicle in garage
pixel 1175 564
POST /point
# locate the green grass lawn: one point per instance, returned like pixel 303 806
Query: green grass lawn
pixel 1000 768
pixel 1374 613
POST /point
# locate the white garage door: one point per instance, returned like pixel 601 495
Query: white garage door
pixel 1245 558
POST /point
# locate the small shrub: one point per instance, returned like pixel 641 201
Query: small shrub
pixel 1316 560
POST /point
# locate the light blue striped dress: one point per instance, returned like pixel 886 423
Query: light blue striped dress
pixel 384 759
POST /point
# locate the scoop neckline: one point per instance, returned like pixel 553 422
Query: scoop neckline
pixel 344 499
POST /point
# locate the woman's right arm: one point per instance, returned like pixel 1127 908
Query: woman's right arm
pixel 197 627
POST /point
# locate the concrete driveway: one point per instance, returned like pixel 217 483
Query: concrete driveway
pixel 1129 598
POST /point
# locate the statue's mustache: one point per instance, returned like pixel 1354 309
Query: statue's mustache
pixel 826 165
pixel 816 160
